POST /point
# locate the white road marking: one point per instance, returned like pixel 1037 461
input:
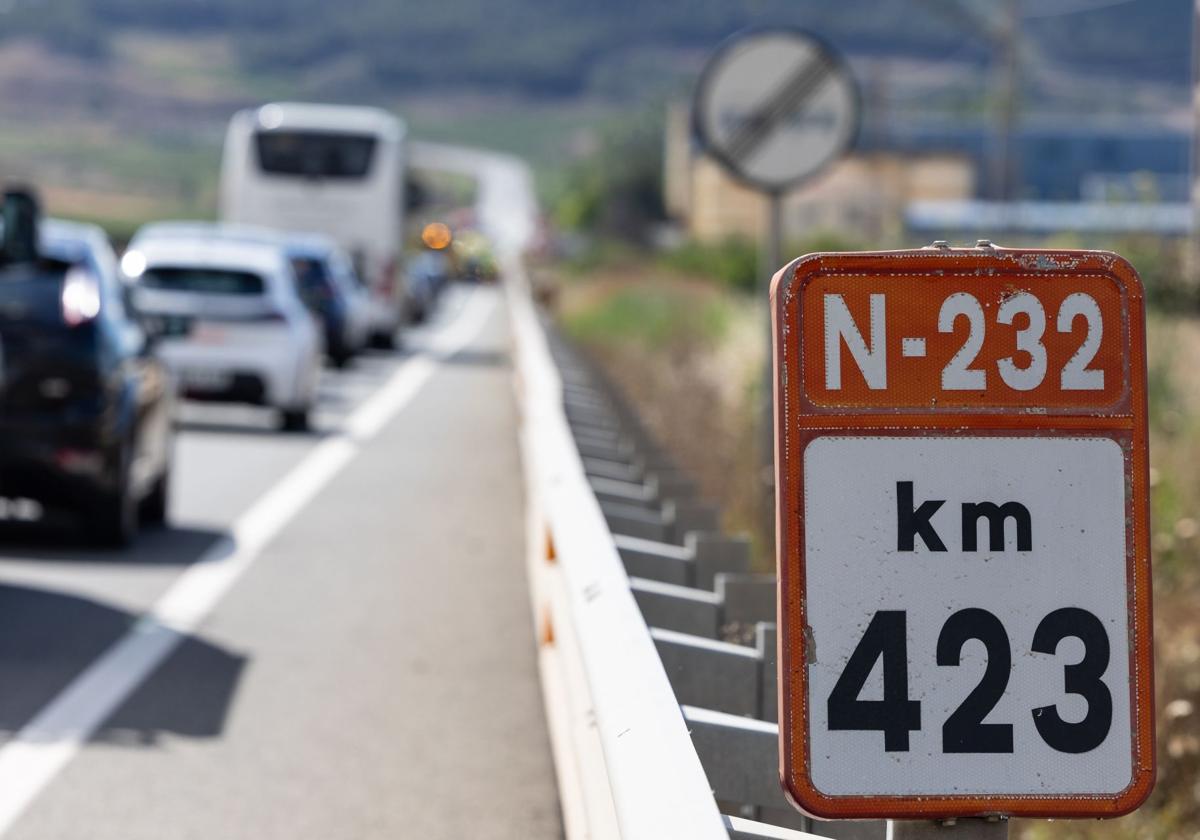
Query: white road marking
pixel 45 745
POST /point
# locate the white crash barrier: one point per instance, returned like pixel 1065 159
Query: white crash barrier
pixel 625 761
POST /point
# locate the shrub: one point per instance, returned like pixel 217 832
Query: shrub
pixel 733 263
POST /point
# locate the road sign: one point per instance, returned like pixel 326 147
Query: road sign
pixel 962 534
pixel 775 107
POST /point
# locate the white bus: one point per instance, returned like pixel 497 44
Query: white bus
pixel 330 169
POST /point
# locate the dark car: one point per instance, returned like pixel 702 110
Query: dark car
pixel 428 274
pixel 329 287
pixel 85 407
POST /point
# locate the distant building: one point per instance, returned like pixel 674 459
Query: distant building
pixel 941 170
pixel 942 219
pixel 1063 161
pixel 864 194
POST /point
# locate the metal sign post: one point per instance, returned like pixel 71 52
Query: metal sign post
pixel 996 829
pixel 964 564
pixel 770 258
pixel 775 107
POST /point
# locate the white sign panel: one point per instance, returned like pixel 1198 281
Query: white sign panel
pixel 971 633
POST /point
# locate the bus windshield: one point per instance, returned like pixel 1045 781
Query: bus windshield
pixel 314 154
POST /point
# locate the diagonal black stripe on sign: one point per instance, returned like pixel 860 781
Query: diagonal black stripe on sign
pixel 789 99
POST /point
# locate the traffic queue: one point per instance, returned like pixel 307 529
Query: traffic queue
pixel 97 351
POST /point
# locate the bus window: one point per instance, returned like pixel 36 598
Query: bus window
pixel 314 154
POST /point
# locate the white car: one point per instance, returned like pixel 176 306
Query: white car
pixel 239 331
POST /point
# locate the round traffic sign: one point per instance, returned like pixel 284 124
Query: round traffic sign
pixel 775 107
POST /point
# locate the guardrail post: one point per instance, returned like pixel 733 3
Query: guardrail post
pixel 655 560
pixel 650 459
pixel 747 598
pixel 713 553
pixel 592 418
pixel 615 490
pixel 635 521
pixel 606 468
pixel 709 674
pixel 669 484
pixel 679 608
pixel 684 516
pixel 765 641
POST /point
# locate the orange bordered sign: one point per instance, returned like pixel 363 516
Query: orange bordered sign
pixel 962 530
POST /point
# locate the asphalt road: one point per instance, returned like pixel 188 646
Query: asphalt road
pixel 331 640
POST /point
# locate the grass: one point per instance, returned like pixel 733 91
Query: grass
pixel 118 182
pixel 653 317
pixel 197 68
pixel 689 352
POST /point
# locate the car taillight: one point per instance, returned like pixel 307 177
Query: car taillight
pixel 80 296
pixel 387 280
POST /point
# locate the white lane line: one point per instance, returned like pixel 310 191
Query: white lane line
pixel 45 745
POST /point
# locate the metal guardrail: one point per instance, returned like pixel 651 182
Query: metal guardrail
pixel 657 645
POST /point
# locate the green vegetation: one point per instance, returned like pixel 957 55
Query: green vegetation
pixel 1170 287
pixel 656 316
pixel 732 263
pixel 687 351
pixel 546 135
pixel 1160 262
pixel 116 181
pixel 616 192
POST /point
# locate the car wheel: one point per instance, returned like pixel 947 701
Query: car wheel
pixel 383 340
pixel 154 506
pixel 114 520
pixel 294 419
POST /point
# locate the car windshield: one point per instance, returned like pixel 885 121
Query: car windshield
pixel 314 154
pixel 212 281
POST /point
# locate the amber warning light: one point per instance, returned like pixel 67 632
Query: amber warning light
pixel 963 555
pixel 437 236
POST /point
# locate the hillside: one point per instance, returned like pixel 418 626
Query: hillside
pixel 570 47
pixel 117 107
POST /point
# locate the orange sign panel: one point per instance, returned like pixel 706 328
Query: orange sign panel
pixel 962 533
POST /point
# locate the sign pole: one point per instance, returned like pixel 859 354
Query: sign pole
pixel 771 258
pixel 968 829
